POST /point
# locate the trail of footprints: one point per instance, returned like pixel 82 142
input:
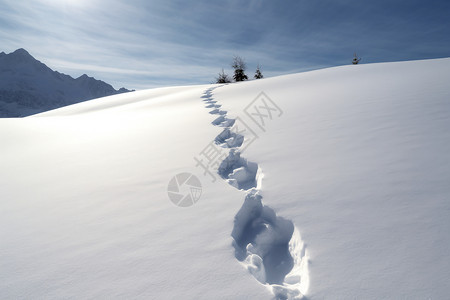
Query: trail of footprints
pixel 269 246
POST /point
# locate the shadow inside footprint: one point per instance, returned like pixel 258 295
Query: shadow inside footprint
pixel 239 172
pixel 259 232
pixel 228 138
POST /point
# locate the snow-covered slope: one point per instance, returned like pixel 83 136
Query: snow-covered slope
pixel 333 184
pixel 28 86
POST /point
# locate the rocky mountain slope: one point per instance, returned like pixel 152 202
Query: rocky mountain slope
pixel 28 86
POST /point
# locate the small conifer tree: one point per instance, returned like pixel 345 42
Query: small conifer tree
pixel 239 67
pixel 223 78
pixel 258 74
pixel 355 59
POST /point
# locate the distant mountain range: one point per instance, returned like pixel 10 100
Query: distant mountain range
pixel 28 86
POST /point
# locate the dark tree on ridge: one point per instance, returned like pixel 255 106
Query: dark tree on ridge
pixel 223 78
pixel 239 67
pixel 258 74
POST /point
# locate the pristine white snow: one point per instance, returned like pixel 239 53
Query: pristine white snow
pixel 355 158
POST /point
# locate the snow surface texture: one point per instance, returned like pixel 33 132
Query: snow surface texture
pixel 268 246
pixel 28 86
pixel 358 162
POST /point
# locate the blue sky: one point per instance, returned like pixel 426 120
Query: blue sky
pixel 143 43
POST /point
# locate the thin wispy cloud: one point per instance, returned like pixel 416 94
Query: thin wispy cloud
pixel 141 44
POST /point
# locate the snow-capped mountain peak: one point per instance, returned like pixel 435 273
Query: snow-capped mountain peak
pixel 28 86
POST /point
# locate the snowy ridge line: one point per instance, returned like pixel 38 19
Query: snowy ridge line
pixel 268 246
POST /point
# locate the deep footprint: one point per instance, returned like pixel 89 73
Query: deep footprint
pixel 229 139
pixel 239 172
pixel 258 231
pixel 270 248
